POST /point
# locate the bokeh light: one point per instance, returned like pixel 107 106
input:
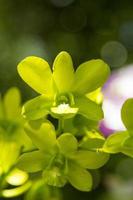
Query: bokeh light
pixel 73 19
pixel 28 46
pixel 126 34
pixel 114 53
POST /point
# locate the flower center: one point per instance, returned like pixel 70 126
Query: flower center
pixel 63 108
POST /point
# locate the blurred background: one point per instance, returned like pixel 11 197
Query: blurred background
pixel 87 29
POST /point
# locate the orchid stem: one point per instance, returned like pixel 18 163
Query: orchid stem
pixel 60 126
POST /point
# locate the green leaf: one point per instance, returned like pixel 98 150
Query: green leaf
pixel 11 102
pixel 79 178
pixel 127 114
pixel 114 142
pixel 63 72
pixel 88 108
pixel 68 143
pixel 37 107
pixel 44 137
pixel 37 74
pixel 33 161
pixel 90 159
pixel 90 76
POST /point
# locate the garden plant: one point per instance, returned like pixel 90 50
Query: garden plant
pixel 54 139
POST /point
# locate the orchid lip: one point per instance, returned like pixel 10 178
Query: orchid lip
pixel 64 109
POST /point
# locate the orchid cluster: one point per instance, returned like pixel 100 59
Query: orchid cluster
pixel 61 155
pixel 55 136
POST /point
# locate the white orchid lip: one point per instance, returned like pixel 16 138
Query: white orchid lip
pixel 64 109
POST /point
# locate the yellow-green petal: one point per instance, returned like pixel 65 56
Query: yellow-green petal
pixel 17 191
pixel 63 72
pixel 114 143
pixel 90 75
pixel 88 108
pixel 11 102
pixel 17 177
pixel 37 107
pixel 79 178
pixel 43 137
pixel 127 147
pixel 67 143
pixel 37 74
pixel 92 141
pixel 31 161
pixel 9 152
pixel 96 96
pixel 90 159
pixel 127 115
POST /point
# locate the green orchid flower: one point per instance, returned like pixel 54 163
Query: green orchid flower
pixel 40 189
pixel 12 140
pixel 61 160
pixel 12 135
pixel 86 130
pixel 80 125
pixel 122 141
pixel 63 91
